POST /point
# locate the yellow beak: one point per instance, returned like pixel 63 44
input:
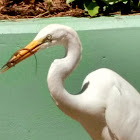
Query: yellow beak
pixel 22 54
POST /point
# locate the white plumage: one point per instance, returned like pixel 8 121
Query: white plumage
pixel 108 108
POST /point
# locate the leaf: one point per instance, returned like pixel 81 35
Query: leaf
pixel 92 8
pixel 139 4
pixel 69 1
pixel 111 2
pixel 124 1
pixel 94 12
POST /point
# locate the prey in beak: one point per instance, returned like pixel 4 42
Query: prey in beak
pixel 22 54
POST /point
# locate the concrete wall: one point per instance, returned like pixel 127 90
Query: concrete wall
pixel 27 111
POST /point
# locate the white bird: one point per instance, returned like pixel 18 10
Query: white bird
pixel 108 107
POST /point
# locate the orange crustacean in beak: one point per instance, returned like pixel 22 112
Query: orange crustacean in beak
pixel 22 54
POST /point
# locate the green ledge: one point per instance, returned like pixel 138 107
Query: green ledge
pixel 34 25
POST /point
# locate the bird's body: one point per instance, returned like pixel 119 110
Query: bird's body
pixel 111 107
pixel 108 108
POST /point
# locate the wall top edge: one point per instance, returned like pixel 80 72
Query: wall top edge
pixel 79 24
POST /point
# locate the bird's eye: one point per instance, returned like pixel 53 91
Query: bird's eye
pixel 49 38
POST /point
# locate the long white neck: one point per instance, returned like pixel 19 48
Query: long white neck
pixel 59 70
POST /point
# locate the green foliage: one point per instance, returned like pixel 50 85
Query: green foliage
pixel 95 7
pixel 92 7
pixel 69 1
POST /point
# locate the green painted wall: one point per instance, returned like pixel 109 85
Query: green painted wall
pixel 27 111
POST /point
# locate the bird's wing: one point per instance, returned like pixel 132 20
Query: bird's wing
pixel 123 112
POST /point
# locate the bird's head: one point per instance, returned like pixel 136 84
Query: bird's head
pixel 51 35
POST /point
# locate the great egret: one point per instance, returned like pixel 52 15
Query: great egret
pixel 108 107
